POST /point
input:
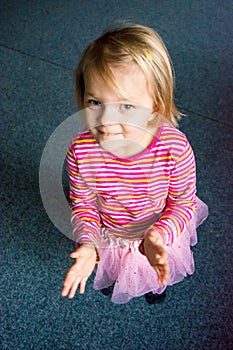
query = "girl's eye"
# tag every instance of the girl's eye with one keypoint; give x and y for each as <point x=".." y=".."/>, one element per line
<point x="126" y="107"/>
<point x="93" y="103"/>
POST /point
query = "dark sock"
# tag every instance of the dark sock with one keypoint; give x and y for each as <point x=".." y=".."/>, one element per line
<point x="152" y="298"/>
<point x="108" y="290"/>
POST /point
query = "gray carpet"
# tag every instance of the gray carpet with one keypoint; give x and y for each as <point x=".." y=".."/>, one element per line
<point x="41" y="42"/>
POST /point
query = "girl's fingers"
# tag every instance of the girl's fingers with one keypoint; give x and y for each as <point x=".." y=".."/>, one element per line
<point x="163" y="273"/>
<point x="83" y="285"/>
<point x="70" y="279"/>
<point x="64" y="291"/>
<point x="72" y="282"/>
<point x="66" y="286"/>
<point x="162" y="267"/>
<point x="73" y="288"/>
<point x="74" y="255"/>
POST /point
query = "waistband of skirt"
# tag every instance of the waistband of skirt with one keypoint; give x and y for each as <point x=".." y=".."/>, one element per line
<point x="111" y="240"/>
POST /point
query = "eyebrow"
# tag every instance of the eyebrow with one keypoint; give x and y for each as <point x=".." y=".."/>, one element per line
<point x="90" y="94"/>
<point x="87" y="93"/>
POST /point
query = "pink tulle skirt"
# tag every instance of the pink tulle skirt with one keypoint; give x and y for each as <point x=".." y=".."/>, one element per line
<point x="122" y="263"/>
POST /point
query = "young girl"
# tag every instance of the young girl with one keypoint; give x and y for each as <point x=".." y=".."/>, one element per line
<point x="132" y="173"/>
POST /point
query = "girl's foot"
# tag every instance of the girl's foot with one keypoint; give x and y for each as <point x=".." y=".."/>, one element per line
<point x="108" y="290"/>
<point x="152" y="298"/>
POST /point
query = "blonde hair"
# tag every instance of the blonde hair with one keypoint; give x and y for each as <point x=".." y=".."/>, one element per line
<point x="138" y="44"/>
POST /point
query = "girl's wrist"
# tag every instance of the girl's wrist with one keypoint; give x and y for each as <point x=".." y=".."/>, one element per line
<point x="155" y="235"/>
<point x="151" y="235"/>
<point x="92" y="246"/>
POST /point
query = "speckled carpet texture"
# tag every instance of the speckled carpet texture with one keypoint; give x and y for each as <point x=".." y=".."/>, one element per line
<point x="41" y="43"/>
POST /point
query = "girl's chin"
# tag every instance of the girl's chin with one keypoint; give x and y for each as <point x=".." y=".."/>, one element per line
<point x="121" y="147"/>
<point x="104" y="137"/>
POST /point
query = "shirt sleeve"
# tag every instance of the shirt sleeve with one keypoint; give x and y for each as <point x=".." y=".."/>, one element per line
<point x="181" y="200"/>
<point x="85" y="216"/>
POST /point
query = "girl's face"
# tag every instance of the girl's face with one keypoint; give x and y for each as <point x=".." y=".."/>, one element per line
<point x="120" y="123"/>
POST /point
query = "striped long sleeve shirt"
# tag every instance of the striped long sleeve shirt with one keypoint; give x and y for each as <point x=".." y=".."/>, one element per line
<point x="155" y="188"/>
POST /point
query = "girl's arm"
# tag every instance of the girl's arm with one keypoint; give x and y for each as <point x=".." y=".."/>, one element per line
<point x="86" y="223"/>
<point x="85" y="216"/>
<point x="181" y="199"/>
<point x="180" y="206"/>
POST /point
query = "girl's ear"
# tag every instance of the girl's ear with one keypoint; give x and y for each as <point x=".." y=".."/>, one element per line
<point x="153" y="113"/>
<point x="155" y="108"/>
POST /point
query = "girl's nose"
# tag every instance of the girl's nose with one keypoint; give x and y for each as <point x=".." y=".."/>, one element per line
<point x="108" y="114"/>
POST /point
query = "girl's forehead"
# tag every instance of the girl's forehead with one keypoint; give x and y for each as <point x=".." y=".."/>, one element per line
<point x="98" y="68"/>
<point x="114" y="74"/>
<point x="121" y="82"/>
<point x="94" y="80"/>
<point x="99" y="86"/>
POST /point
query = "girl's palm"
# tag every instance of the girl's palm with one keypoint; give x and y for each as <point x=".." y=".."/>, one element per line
<point x="80" y="271"/>
<point x="157" y="255"/>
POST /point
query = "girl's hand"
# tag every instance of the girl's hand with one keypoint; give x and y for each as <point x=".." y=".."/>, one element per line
<point x="79" y="272"/>
<point x="156" y="254"/>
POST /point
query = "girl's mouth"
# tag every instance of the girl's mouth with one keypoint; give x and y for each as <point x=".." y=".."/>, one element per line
<point x="109" y="133"/>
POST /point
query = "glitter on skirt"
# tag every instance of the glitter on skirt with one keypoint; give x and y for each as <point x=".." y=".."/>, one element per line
<point x="122" y="263"/>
